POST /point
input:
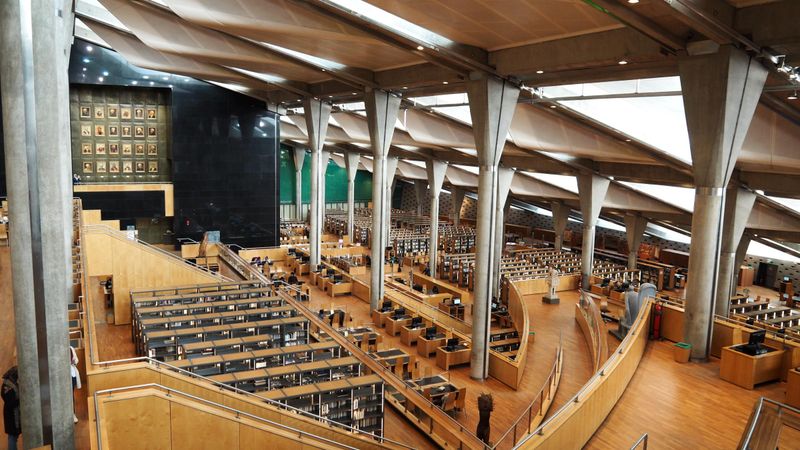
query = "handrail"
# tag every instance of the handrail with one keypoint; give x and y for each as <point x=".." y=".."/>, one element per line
<point x="599" y="374"/>
<point x="207" y="402"/>
<point x="756" y="415"/>
<point x="104" y="229"/>
<point x="551" y="384"/>
<point x="641" y="441"/>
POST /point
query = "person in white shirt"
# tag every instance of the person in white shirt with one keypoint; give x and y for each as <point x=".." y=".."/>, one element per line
<point x="76" y="378"/>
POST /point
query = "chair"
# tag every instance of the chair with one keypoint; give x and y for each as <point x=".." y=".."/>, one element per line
<point x="449" y="402"/>
<point x="461" y="400"/>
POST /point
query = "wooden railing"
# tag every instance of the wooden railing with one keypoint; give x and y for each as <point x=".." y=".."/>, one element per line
<point x="587" y="314"/>
<point x="505" y="369"/>
<point x="767" y="421"/>
<point x="575" y="422"/>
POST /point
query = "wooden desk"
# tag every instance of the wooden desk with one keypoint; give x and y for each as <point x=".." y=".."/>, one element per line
<point x="335" y="289"/>
<point x="427" y="346"/>
<point x="379" y="317"/>
<point x="392" y="357"/>
<point x="393" y="325"/>
<point x="747" y="371"/>
<point x="445" y="359"/>
<point x="409" y="335"/>
<point x="793" y="388"/>
<point x="456" y="311"/>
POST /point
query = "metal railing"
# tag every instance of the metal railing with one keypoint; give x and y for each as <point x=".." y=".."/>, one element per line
<point x="537" y="404"/>
<point x="642" y="441"/>
<point x="238" y="413"/>
<point x="761" y="432"/>
<point x="103" y="229"/>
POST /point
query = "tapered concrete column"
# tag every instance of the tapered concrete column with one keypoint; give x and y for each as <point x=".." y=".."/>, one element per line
<point x="635" y="224"/>
<point x="457" y="197"/>
<point x="34" y="50"/>
<point x="382" y="110"/>
<point x="592" y="191"/>
<point x="299" y="158"/>
<point x="317" y="114"/>
<point x="560" y="218"/>
<point x="720" y="94"/>
<point x="738" y="206"/>
<point x="491" y="103"/>
<point x="391" y="171"/>
<point x="503" y="207"/>
<point x="741" y="254"/>
<point x="351" y="160"/>
<point x="421" y="190"/>
<point x="436" y="171"/>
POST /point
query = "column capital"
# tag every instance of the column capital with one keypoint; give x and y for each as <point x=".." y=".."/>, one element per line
<point x="382" y="108"/>
<point x="492" y="102"/>
<point x="317" y="114"/>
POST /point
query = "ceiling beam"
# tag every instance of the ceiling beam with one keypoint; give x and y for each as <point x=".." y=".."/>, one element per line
<point x="644" y="173"/>
<point x="773" y="184"/>
<point x="628" y="16"/>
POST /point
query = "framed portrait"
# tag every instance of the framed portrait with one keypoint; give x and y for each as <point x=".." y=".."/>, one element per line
<point x="125" y="113"/>
<point x="99" y="130"/>
<point x="139" y="166"/>
<point x="126" y="149"/>
<point x="138" y="113"/>
<point x="102" y="167"/>
<point x="86" y="130"/>
<point x="152" y="149"/>
<point x="113" y="167"/>
<point x="100" y="148"/>
<point x="139" y="149"/>
<point x="126" y="131"/>
<point x="138" y="131"/>
<point x="88" y="167"/>
<point x="151" y="131"/>
<point x="113" y="148"/>
<point x="152" y="166"/>
<point x="99" y="112"/>
<point x="86" y="148"/>
<point x="113" y="130"/>
<point x="127" y="166"/>
<point x="151" y="114"/>
<point x="113" y="112"/>
<point x="86" y="112"/>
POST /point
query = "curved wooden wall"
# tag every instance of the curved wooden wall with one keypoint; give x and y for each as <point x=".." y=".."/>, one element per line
<point x="508" y="370"/>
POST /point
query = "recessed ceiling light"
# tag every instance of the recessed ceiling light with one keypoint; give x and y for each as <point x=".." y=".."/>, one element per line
<point x="165" y="78"/>
<point x="792" y="96"/>
<point x="84" y="69"/>
<point x="170" y="85"/>
<point x="633" y="2"/>
<point x="323" y="70"/>
<point x="354" y="93"/>
<point x="146" y="77"/>
<point x="100" y="79"/>
<point x="405" y="87"/>
<point x="540" y="71"/>
<point x="105" y="73"/>
<point x="89" y="48"/>
<point x="86" y="60"/>
<point x="627" y="140"/>
<point x="134" y="82"/>
<point x="553" y="106"/>
<point x="622" y="62"/>
<point x="420" y="48"/>
<point x="445" y="82"/>
<point x="151" y="83"/>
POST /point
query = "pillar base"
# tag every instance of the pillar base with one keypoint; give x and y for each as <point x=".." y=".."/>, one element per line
<point x="554" y="300"/>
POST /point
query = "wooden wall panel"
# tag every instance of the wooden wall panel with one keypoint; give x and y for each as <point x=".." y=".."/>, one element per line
<point x="122" y="423"/>
<point x="251" y="438"/>
<point x="193" y="429"/>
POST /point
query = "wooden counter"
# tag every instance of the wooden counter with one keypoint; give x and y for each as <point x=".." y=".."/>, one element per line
<point x="746" y="370"/>
<point x="445" y="359"/>
<point x="793" y="388"/>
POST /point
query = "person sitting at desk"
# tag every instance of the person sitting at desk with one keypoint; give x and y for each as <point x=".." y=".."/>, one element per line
<point x="435" y="289"/>
<point x="292" y="278"/>
<point x="418" y="287"/>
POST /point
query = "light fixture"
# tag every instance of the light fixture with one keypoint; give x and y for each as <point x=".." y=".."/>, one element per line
<point x="420" y="48"/>
<point x="759" y="192"/>
<point x="405" y="87"/>
<point x="633" y="2"/>
<point x="134" y="82"/>
<point x="151" y="83"/>
<point x="146" y="77"/>
<point x="100" y="79"/>
<point x="165" y="78"/>
<point x="170" y="85"/>
<point x="105" y="73"/>
<point x="552" y="106"/>
<point x="261" y="123"/>
<point x="627" y="140"/>
<point x="86" y="60"/>
<point x="792" y="96"/>
<point x="540" y="72"/>
<point x="445" y="82"/>
<point x="354" y="93"/>
<point x="622" y="62"/>
<point x="89" y="48"/>
<point x="84" y="69"/>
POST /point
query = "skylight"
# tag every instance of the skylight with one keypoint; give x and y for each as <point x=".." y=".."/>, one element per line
<point x="679" y="197"/>
<point x="764" y="251"/>
<point x="566" y="182"/>
<point x="791" y="203"/>
<point x="315" y="60"/>
<point x="459" y="113"/>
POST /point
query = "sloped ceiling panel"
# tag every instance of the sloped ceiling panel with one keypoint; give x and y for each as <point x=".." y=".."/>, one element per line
<point x="531" y="187"/>
<point x="772" y="144"/>
<point x="458" y="177"/>
<point x="535" y="129"/>
<point x="339" y="160"/>
<point x="168" y="33"/>
<point x="429" y="129"/>
<point x="357" y="129"/>
<point x="619" y="197"/>
<point x="765" y="218"/>
<point x="293" y="26"/>
<point x="291" y="131"/>
<point x="408" y="170"/>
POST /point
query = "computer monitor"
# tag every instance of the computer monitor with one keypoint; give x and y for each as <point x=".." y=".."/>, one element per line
<point x="753" y="346"/>
<point x="430" y="332"/>
<point x="786" y="279"/>
<point x="416" y="321"/>
<point x="452" y="342"/>
<point x="456" y="301"/>
<point x="400" y="312"/>
<point x="757" y="337"/>
<point x="337" y="278"/>
<point x="494" y="305"/>
<point x="387" y="305"/>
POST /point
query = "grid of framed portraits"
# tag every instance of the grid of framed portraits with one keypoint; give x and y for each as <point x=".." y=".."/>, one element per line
<point x="120" y="134"/>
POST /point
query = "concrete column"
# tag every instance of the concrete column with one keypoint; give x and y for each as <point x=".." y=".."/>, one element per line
<point x="738" y="205"/>
<point x="592" y="191"/>
<point x="382" y="109"/>
<point x="560" y="218"/>
<point x="436" y="171"/>
<point x="635" y="224"/>
<point x="421" y="190"/>
<point x="457" y="197"/>
<point x="503" y="207"/>
<point x="325" y="158"/>
<point x="299" y="158"/>
<point x="317" y="114"/>
<point x="741" y="254"/>
<point x="720" y="94"/>
<point x="492" y="103"/>
<point x="351" y="160"/>
<point x="391" y="182"/>
<point x="34" y="50"/>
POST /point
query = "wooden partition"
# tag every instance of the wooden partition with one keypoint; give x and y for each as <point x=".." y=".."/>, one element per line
<point x="273" y="253"/>
<point x="139" y="373"/>
<point x="134" y="266"/>
<point x="508" y="370"/>
<point x="575" y="423"/>
<point x="587" y="314"/>
<point x="155" y="418"/>
<point x="539" y="285"/>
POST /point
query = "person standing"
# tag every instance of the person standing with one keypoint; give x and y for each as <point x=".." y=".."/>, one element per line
<point x="11" y="414"/>
<point x="76" y="378"/>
